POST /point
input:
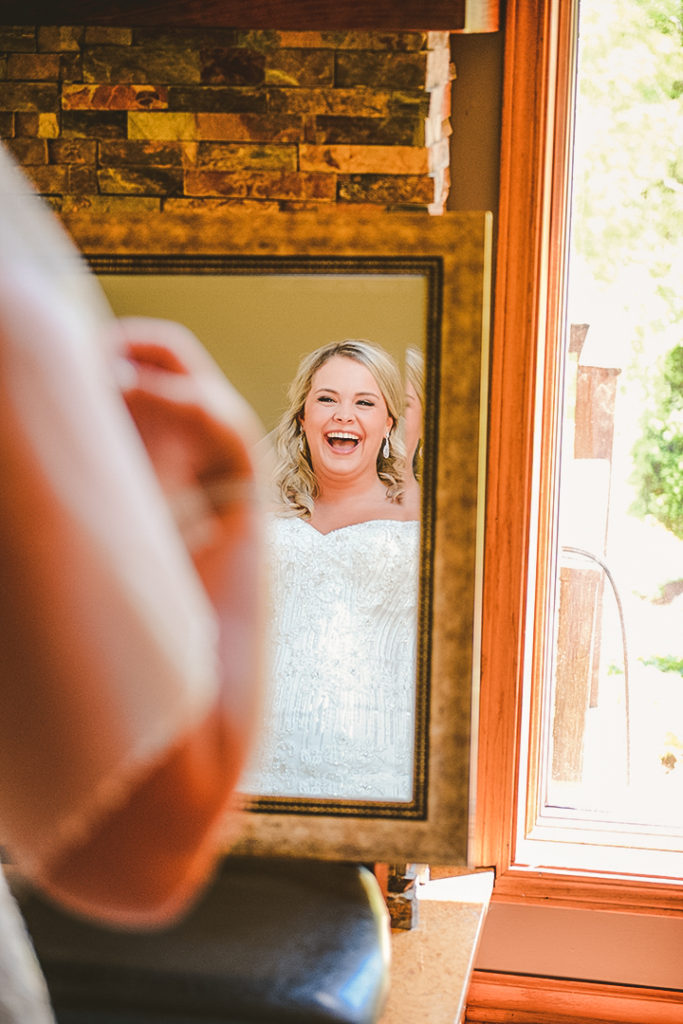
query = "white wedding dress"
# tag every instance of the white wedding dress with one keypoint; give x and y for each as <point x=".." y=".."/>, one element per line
<point x="340" y="709"/>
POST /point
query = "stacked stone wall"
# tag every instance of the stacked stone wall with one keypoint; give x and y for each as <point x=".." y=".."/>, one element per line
<point x="129" y="120"/>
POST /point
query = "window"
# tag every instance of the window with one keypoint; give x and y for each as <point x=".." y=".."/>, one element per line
<point x="549" y="832"/>
<point x="611" y="729"/>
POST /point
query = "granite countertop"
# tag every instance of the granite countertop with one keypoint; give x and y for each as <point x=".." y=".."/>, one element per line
<point x="432" y="963"/>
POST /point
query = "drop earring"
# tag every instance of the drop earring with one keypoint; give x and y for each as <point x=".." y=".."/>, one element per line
<point x="386" y="450"/>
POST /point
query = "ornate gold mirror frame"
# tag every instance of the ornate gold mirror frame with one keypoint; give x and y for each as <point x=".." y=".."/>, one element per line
<point x="452" y="253"/>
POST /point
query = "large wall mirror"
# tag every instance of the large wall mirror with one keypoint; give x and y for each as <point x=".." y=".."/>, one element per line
<point x="261" y="291"/>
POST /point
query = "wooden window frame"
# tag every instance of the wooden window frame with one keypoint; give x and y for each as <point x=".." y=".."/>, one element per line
<point x="521" y="489"/>
<point x="493" y="997"/>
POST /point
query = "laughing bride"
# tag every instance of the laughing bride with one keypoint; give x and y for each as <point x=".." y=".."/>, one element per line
<point x="344" y="559"/>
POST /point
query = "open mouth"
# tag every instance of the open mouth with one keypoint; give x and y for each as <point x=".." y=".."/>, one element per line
<point x="342" y="441"/>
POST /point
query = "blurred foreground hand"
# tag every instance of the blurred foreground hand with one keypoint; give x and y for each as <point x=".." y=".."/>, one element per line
<point x="130" y="553"/>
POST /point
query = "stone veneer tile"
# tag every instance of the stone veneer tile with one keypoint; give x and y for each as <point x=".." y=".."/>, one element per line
<point x="162" y="126"/>
<point x="60" y="37"/>
<point x="44" y="126"/>
<point x="189" y="151"/>
<point x="114" y="97"/>
<point x="442" y="185"/>
<point x="222" y="112"/>
<point x="347" y="102"/>
<point x="94" y="124"/>
<point x="397" y="41"/>
<point x="216" y="99"/>
<point x="18" y="38"/>
<point x="26" y="96"/>
<point x="381" y="131"/>
<point x="81" y="180"/>
<point x="354" y="40"/>
<point x="49" y="126"/>
<point x="436" y="128"/>
<point x="118" y="206"/>
<point x="300" y="67"/>
<point x="49" y="180"/>
<point x="127" y="152"/>
<point x="70" y="67"/>
<point x="175" y="37"/>
<point x="209" y="205"/>
<point x="440" y="103"/>
<point x="231" y="66"/>
<point x="365" y="159"/>
<point x="376" y="70"/>
<point x="439" y="155"/>
<point x="159" y="181"/>
<point x="260" y="40"/>
<point x="250" y="127"/>
<point x="35" y="67"/>
<point x="145" y="65"/>
<point x="108" y="35"/>
<point x="384" y="189"/>
<point x="28" y="151"/>
<point x="72" y="151"/>
<point x="217" y="156"/>
<point x="438" y="40"/>
<point x="261" y="185"/>
<point x="409" y="104"/>
<point x="440" y="71"/>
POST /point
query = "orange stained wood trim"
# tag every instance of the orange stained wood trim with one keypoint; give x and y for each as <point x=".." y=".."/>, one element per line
<point x="497" y="998"/>
<point x="299" y="15"/>
<point x="529" y="307"/>
<point x="590" y="892"/>
<point x="551" y="346"/>
<point x="519" y="320"/>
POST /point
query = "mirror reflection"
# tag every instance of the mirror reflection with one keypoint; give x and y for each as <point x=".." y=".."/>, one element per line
<point x="343" y="549"/>
<point x="343" y="449"/>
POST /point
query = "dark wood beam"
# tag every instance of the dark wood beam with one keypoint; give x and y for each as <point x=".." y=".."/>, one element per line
<point x="298" y="15"/>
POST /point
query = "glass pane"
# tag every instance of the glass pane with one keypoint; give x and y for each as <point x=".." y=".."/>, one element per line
<point x="615" y="728"/>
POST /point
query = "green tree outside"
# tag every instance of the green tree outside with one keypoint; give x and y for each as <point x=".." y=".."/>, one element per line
<point x="658" y="453"/>
<point x="627" y="224"/>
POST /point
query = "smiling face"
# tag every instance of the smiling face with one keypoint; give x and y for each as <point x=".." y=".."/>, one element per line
<point x="345" y="419"/>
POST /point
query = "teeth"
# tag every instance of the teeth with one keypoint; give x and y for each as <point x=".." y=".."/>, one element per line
<point x="341" y="436"/>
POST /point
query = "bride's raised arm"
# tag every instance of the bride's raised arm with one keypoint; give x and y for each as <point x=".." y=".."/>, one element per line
<point x="130" y="549"/>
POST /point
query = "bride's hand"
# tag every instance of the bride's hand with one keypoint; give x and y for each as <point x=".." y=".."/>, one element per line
<point x="198" y="433"/>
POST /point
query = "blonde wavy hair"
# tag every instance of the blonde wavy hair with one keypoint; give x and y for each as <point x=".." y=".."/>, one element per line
<point x="296" y="484"/>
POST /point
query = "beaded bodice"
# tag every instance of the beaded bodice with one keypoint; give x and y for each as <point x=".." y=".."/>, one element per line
<point x="340" y="707"/>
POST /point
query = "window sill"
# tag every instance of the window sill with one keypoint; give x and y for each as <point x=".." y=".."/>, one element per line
<point x="492" y="994"/>
<point x="589" y="890"/>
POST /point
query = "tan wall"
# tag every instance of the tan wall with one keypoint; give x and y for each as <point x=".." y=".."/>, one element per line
<point x="258" y="327"/>
<point x="475" y="118"/>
